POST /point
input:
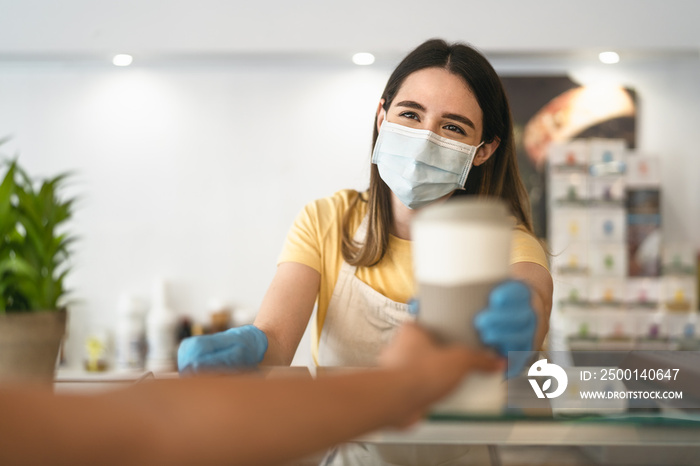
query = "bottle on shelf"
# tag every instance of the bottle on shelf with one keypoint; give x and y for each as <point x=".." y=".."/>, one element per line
<point x="130" y="333"/>
<point x="161" y="330"/>
<point x="690" y="341"/>
<point x="97" y="351"/>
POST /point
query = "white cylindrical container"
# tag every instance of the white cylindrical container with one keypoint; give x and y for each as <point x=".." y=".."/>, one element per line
<point x="161" y="325"/>
<point x="130" y="334"/>
<point x="461" y="250"/>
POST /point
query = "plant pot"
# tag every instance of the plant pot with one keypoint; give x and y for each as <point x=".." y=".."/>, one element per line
<point x="29" y="345"/>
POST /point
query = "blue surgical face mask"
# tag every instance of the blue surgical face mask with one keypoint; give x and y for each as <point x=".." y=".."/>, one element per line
<point x="420" y="166"/>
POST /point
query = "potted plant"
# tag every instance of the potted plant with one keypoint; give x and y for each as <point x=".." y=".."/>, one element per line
<point x="34" y="252"/>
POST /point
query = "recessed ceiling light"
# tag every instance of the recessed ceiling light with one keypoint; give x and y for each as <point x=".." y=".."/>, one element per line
<point x="363" y="58"/>
<point x="609" y="58"/>
<point x="122" y="59"/>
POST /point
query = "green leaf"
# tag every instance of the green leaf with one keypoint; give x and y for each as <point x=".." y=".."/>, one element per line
<point x="33" y="254"/>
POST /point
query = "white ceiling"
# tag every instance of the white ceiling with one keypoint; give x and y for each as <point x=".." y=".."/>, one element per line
<point x="148" y="29"/>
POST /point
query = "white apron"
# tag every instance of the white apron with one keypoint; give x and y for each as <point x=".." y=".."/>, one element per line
<point x="359" y="322"/>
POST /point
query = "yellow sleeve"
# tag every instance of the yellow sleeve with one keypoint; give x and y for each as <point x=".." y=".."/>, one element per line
<point x="302" y="244"/>
<point x="527" y="248"/>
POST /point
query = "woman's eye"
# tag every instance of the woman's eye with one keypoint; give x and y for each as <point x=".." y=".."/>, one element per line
<point x="455" y="128"/>
<point x="410" y="115"/>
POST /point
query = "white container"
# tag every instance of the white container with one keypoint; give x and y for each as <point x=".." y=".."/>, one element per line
<point x="161" y="325"/>
<point x="130" y="334"/>
<point x="461" y="250"/>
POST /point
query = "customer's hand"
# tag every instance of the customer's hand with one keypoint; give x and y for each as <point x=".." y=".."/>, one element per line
<point x="435" y="369"/>
<point x="240" y="347"/>
<point x="509" y="322"/>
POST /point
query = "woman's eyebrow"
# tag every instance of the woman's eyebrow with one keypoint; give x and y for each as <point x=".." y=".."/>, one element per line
<point x="410" y="104"/>
<point x="460" y="118"/>
<point x="451" y="116"/>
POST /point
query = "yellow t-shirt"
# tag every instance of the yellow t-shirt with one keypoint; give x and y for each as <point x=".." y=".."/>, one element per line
<point x="315" y="240"/>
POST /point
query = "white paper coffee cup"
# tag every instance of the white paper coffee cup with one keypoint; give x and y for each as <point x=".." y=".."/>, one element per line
<point x="461" y="250"/>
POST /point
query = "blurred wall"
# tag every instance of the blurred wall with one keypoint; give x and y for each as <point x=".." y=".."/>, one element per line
<point x="193" y="174"/>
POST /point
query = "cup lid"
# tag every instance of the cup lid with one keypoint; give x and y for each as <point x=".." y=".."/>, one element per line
<point x="467" y="209"/>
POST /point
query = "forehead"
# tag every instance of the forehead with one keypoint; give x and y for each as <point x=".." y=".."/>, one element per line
<point x="440" y="91"/>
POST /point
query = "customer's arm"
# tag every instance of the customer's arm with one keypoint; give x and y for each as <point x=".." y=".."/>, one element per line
<point x="244" y="420"/>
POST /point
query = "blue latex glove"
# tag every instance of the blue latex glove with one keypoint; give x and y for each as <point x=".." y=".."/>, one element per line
<point x="240" y="347"/>
<point x="508" y="323"/>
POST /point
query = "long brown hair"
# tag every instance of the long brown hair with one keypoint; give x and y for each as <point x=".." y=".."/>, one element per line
<point x="497" y="177"/>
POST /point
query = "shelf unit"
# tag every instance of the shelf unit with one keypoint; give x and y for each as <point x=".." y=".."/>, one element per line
<point x="617" y="286"/>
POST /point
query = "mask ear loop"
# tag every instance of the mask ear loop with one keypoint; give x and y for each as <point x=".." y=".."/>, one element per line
<point x="476" y="150"/>
<point x="468" y="167"/>
<point x="385" y="107"/>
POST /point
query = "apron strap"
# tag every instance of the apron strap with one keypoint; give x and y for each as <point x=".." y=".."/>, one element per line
<point x="358" y="237"/>
<point x="361" y="230"/>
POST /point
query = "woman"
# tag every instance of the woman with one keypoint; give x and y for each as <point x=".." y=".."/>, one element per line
<point x="361" y="241"/>
<point x="350" y="253"/>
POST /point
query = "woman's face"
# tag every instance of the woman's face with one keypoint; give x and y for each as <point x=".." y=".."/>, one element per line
<point x="439" y="101"/>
